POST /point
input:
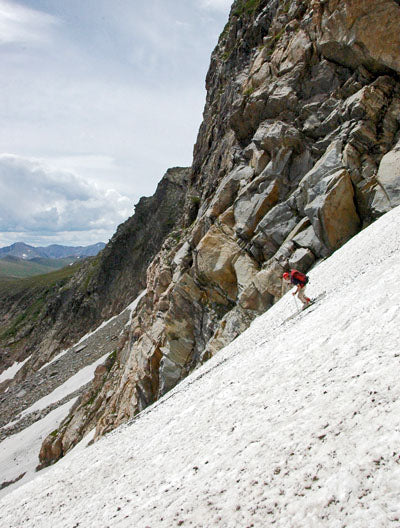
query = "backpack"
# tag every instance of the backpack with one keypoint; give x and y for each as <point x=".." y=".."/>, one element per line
<point x="298" y="277"/>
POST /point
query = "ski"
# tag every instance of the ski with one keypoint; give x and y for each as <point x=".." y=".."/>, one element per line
<point x="305" y="308"/>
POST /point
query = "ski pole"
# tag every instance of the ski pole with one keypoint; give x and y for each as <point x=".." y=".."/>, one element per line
<point x="295" y="302"/>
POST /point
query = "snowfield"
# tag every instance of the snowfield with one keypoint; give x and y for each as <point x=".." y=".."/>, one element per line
<point x="295" y="424"/>
<point x="19" y="453"/>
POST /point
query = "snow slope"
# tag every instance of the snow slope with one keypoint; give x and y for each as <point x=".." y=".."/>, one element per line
<point x="295" y="424"/>
<point x="19" y="453"/>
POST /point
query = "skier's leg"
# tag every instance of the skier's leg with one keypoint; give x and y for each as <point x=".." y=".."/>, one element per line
<point x="302" y="296"/>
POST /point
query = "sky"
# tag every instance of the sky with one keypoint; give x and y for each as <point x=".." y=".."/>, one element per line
<point x="98" y="99"/>
<point x="296" y="423"/>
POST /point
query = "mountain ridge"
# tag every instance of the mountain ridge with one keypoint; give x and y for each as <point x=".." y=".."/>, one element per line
<point x="28" y="252"/>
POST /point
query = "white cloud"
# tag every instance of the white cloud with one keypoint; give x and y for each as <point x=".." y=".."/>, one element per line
<point x="110" y="91"/>
<point x="20" y="24"/>
<point x="218" y="5"/>
<point x="37" y="200"/>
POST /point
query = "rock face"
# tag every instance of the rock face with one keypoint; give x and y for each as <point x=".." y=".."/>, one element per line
<point x="297" y="152"/>
<point x="346" y="35"/>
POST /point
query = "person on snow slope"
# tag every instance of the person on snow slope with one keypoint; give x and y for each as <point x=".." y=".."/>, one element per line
<point x="299" y="280"/>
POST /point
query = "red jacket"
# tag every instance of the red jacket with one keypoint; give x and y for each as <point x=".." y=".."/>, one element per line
<point x="297" y="278"/>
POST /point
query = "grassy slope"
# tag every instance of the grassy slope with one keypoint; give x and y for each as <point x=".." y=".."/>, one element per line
<point x="19" y="268"/>
<point x="33" y="292"/>
<point x="10" y="285"/>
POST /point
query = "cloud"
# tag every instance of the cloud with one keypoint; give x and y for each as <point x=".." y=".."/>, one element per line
<point x="20" y="24"/>
<point x="218" y="5"/>
<point x="37" y="200"/>
<point x="110" y="91"/>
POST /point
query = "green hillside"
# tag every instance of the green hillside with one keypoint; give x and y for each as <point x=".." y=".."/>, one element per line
<point x="13" y="267"/>
<point x="31" y="295"/>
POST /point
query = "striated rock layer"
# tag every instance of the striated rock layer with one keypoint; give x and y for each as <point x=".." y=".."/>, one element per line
<point x="297" y="152"/>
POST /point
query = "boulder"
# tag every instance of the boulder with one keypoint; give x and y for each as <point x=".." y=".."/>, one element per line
<point x="332" y="212"/>
<point x="297" y="51"/>
<point x="271" y="135"/>
<point x="298" y="228"/>
<point x="275" y="227"/>
<point x="162" y="281"/>
<point x="232" y="325"/>
<point x="369" y="101"/>
<point x="299" y="166"/>
<point x="200" y="228"/>
<point x="182" y="257"/>
<point x="258" y="158"/>
<point x="170" y="373"/>
<point x="387" y="193"/>
<point x="302" y="259"/>
<point x="328" y="164"/>
<point x="269" y="280"/>
<point x="282" y="98"/>
<point x="309" y="240"/>
<point x="215" y="255"/>
<point x="227" y="190"/>
<point x="179" y="322"/>
<point x="51" y="450"/>
<point x="252" y="299"/>
<point x="360" y="32"/>
<point x="279" y="164"/>
<point x="250" y="207"/>
<point x="245" y="269"/>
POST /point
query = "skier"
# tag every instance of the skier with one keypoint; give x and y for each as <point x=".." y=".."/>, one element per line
<point x="300" y="280"/>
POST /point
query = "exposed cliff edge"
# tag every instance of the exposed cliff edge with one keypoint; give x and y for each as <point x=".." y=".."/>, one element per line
<point x="298" y="151"/>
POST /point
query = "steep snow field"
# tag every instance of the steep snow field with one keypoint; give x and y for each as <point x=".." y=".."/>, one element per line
<point x="295" y="424"/>
<point x="19" y="453"/>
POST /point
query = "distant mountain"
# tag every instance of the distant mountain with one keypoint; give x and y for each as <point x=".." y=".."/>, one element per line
<point x="20" y="250"/>
<point x="55" y="251"/>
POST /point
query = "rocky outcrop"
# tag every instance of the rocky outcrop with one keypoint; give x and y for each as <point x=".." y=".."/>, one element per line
<point x="387" y="194"/>
<point x="346" y="36"/>
<point x="296" y="153"/>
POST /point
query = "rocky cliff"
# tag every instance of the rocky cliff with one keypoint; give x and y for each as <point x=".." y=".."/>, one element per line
<point x="298" y="150"/>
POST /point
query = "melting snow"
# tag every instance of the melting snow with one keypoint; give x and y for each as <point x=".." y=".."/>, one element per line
<point x="68" y="387"/>
<point x="130" y="307"/>
<point x="133" y="306"/>
<point x="11" y="371"/>
<point x="58" y="356"/>
<point x="19" y="453"/>
<point x="295" y="424"/>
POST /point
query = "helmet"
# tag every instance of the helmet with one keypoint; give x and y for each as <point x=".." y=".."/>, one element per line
<point x="286" y="275"/>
